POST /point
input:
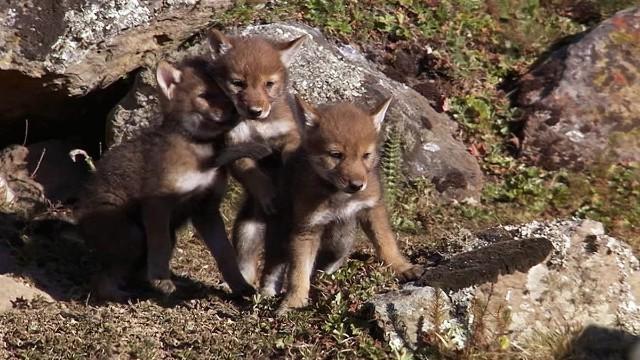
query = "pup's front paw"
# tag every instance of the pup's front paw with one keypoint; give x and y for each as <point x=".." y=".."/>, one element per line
<point x="246" y="290"/>
<point x="268" y="291"/>
<point x="164" y="286"/>
<point x="292" y="302"/>
<point x="410" y="272"/>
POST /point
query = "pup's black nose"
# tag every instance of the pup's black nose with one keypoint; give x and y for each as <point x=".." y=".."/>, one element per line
<point x="255" y="111"/>
<point x="355" y="186"/>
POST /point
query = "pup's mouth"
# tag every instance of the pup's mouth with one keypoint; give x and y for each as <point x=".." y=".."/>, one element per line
<point x="254" y="114"/>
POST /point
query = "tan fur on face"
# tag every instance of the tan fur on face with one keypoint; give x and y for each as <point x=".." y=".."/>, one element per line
<point x="253" y="75"/>
<point x="251" y="71"/>
<point x="193" y="98"/>
<point x="346" y="130"/>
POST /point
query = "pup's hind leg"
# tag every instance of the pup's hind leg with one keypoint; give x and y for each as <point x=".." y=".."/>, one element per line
<point x="337" y="243"/>
<point x="156" y="216"/>
<point x="248" y="238"/>
<point x="276" y="255"/>
<point x="107" y="283"/>
<point x="119" y="244"/>
<point x="208" y="222"/>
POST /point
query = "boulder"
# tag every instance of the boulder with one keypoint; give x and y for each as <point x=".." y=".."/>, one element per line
<point x="323" y="73"/>
<point x="582" y="103"/>
<point x="587" y="286"/>
<point x="53" y="53"/>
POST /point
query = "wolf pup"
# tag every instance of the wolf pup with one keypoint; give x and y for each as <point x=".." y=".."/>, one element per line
<point x="145" y="188"/>
<point x="332" y="183"/>
<point x="252" y="71"/>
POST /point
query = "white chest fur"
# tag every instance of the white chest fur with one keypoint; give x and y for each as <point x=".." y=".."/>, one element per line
<point x="273" y="128"/>
<point x="240" y="133"/>
<point x="344" y="211"/>
<point x="244" y="131"/>
<point x="195" y="180"/>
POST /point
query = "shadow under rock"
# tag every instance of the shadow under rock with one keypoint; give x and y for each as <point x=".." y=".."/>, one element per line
<point x="48" y="252"/>
<point x="52" y="254"/>
<point x="601" y="343"/>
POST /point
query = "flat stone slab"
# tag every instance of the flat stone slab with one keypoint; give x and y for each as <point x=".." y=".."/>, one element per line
<point x="486" y="264"/>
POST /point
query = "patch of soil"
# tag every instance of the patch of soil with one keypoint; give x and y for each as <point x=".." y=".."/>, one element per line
<point x="581" y="11"/>
<point x="414" y="64"/>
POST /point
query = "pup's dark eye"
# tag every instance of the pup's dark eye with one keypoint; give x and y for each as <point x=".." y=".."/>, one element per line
<point x="336" y="155"/>
<point x="366" y="156"/>
<point x="238" y="83"/>
<point x="270" y="84"/>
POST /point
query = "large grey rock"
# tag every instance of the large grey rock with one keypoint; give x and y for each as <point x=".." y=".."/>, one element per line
<point x="52" y="52"/>
<point x="323" y="73"/>
<point x="583" y="102"/>
<point x="589" y="279"/>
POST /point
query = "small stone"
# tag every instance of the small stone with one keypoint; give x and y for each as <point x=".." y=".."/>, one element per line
<point x="590" y="227"/>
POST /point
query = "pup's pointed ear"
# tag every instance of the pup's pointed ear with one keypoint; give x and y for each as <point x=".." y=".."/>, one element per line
<point x="219" y="43"/>
<point x="377" y="114"/>
<point x="168" y="77"/>
<point x="309" y="113"/>
<point x="289" y="49"/>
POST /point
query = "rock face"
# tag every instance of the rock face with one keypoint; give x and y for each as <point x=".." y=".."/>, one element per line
<point x="322" y="73"/>
<point x="583" y="102"/>
<point x="56" y="51"/>
<point x="589" y="278"/>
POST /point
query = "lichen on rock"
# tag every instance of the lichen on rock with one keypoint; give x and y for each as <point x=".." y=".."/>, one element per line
<point x="588" y="279"/>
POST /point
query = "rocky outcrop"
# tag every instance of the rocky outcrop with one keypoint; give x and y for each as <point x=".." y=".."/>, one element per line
<point x="587" y="279"/>
<point x="54" y="52"/>
<point x="322" y="73"/>
<point x="582" y="103"/>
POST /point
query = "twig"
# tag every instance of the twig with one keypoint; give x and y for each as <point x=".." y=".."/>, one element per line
<point x="26" y="131"/>
<point x="39" y="162"/>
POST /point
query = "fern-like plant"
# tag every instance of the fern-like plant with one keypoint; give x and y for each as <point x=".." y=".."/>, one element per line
<point x="391" y="166"/>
